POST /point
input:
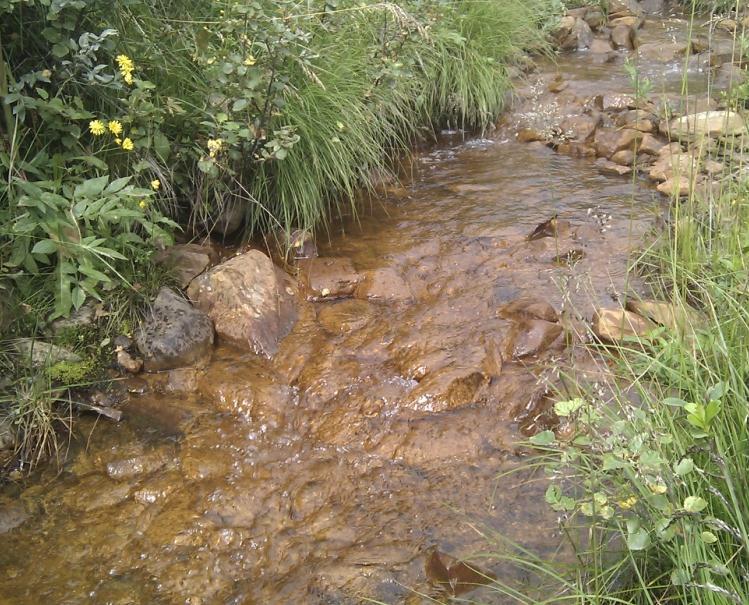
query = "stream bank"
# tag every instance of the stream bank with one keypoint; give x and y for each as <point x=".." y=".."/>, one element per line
<point x="421" y="350"/>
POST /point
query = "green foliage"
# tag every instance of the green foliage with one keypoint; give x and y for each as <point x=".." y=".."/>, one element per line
<point x="282" y="108"/>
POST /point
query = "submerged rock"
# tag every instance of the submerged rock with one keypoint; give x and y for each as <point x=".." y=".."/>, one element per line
<point x="531" y="337"/>
<point x="327" y="278"/>
<point x="384" y="285"/>
<point x="248" y="301"/>
<point x="174" y="334"/>
<point x="614" y="325"/>
<point x="529" y="308"/>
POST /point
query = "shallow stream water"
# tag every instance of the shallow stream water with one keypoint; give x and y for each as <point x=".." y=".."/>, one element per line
<point x="379" y="430"/>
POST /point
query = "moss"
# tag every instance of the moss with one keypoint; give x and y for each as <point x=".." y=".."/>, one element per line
<point x="72" y="372"/>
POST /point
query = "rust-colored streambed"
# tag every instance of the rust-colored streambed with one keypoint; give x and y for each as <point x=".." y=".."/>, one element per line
<point x="378" y="431"/>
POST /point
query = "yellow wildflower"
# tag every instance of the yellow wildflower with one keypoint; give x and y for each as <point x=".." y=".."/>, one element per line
<point x="250" y="61"/>
<point x="96" y="127"/>
<point x="628" y="503"/>
<point x="155" y="184"/>
<point x="115" y="127"/>
<point x="127" y="144"/>
<point x="127" y="67"/>
<point x="118" y="141"/>
<point x="214" y="146"/>
<point x="143" y="204"/>
<point x="657" y="488"/>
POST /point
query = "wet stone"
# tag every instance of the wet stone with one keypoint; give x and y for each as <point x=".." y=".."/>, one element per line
<point x="328" y="278"/>
<point x="249" y="300"/>
<point x="532" y="337"/>
<point x="345" y="316"/>
<point x="384" y="285"/>
<point x="529" y="308"/>
<point x="174" y="334"/>
<point x="12" y="514"/>
<point x="137" y="466"/>
<point x="612" y="168"/>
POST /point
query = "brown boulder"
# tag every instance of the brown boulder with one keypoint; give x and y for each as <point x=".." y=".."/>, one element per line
<point x="675" y="186"/>
<point x="625" y="157"/>
<point x="600" y="46"/>
<point x="612" y="168"/>
<point x="663" y="52"/>
<point x="624" y="8"/>
<point x="623" y="37"/>
<point x="614" y="325"/>
<point x="608" y="140"/>
<point x="578" y="37"/>
<point x="249" y="301"/>
<point x="675" y="318"/>
<point x="582" y="127"/>
<point x="649" y="145"/>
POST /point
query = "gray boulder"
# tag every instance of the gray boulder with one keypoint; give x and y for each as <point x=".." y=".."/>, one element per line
<point x="174" y="334"/>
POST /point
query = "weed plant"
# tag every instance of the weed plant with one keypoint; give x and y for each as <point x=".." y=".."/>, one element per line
<point x="650" y="481"/>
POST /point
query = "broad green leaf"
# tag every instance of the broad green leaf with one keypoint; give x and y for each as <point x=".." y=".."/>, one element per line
<point x="694" y="504"/>
<point x="684" y="467"/>
<point x="638" y="540"/>
<point x="44" y="246"/>
<point x="553" y="493"/>
<point x="78" y="297"/>
<point x="708" y="537"/>
<point x="91" y="187"/>
<point x="569" y="407"/>
<point x="117" y="184"/>
<point x="680" y="577"/>
<point x="544" y="438"/>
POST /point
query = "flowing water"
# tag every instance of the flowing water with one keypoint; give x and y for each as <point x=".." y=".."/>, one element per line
<point x="379" y="430"/>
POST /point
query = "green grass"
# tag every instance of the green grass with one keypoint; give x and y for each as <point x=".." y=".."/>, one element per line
<point x="652" y="485"/>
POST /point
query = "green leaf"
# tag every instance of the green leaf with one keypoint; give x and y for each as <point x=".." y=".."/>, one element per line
<point x="117" y="184"/>
<point x="716" y="392"/>
<point x="638" y="540"/>
<point x="78" y="297"/>
<point x="708" y="537"/>
<point x="680" y="577"/>
<point x="684" y="467"/>
<point x="44" y="246"/>
<point x="553" y="494"/>
<point x="567" y="408"/>
<point x="544" y="438"/>
<point x="239" y="105"/>
<point x="694" y="504"/>
<point x="674" y="402"/>
<point x="91" y="187"/>
<point x="611" y="462"/>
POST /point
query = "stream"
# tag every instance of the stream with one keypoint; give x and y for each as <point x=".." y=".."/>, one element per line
<point x="382" y="429"/>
